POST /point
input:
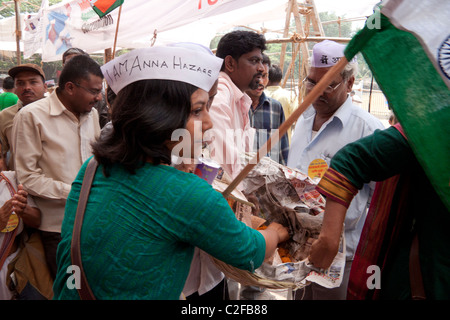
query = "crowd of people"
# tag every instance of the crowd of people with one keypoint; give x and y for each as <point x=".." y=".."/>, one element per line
<point x="149" y="227"/>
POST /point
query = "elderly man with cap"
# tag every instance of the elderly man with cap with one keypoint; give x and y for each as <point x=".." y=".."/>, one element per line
<point x="51" y="138"/>
<point x="29" y="81"/>
<point x="325" y="127"/>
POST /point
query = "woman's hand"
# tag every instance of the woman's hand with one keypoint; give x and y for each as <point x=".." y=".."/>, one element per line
<point x="282" y="232"/>
<point x="323" y="251"/>
<point x="325" y="248"/>
<point x="274" y="234"/>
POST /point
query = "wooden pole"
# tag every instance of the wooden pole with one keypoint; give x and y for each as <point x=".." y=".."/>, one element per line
<point x="309" y="99"/>
<point x="108" y="55"/>
<point x="286" y="32"/>
<point x="316" y="39"/>
<point x="117" y="32"/>
<point x="18" y="31"/>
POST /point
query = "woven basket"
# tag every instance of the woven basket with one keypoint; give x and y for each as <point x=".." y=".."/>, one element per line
<point x="247" y="278"/>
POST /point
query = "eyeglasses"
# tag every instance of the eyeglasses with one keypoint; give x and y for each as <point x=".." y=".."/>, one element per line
<point x="310" y="85"/>
<point x="91" y="91"/>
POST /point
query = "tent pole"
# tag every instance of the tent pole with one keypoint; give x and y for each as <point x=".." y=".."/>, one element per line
<point x="18" y="31"/>
<point x="117" y="32"/>
<point x="286" y="32"/>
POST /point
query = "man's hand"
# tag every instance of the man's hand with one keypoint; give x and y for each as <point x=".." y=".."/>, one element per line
<point x="19" y="200"/>
<point x="5" y="212"/>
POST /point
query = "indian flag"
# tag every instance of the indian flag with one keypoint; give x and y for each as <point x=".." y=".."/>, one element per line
<point x="407" y="46"/>
<point x="103" y="7"/>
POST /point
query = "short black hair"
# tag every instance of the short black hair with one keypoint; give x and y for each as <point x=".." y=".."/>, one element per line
<point x="266" y="60"/>
<point x="8" y="83"/>
<point x="144" y="115"/>
<point x="237" y="43"/>
<point x="77" y="68"/>
<point x="275" y="74"/>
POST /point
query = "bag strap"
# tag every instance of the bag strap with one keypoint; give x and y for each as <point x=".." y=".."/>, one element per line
<point x="9" y="237"/>
<point x="415" y="274"/>
<point x="84" y="291"/>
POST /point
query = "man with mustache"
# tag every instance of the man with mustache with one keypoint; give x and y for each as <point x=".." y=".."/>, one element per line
<point x="241" y="71"/>
<point x="325" y="127"/>
<point x="266" y="114"/>
<point x="29" y="81"/>
<point x="51" y="139"/>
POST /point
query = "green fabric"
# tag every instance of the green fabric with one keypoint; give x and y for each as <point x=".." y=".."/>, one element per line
<point x="363" y="160"/>
<point x="377" y="157"/>
<point x="139" y="233"/>
<point x="8" y="99"/>
<point x="415" y="91"/>
<point x="113" y="6"/>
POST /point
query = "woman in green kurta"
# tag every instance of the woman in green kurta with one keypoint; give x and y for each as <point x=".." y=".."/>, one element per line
<point x="404" y="205"/>
<point x="144" y="218"/>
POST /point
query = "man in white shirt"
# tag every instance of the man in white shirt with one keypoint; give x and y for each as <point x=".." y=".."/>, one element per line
<point x="51" y="138"/>
<point x="325" y="127"/>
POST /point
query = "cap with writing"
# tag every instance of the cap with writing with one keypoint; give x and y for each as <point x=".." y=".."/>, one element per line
<point x="326" y="54"/>
<point x="186" y="64"/>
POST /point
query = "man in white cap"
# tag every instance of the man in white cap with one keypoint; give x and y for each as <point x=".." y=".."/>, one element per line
<point x="331" y="122"/>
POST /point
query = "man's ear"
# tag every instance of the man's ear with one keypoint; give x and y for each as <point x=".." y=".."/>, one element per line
<point x="69" y="87"/>
<point x="230" y="63"/>
<point x="350" y="83"/>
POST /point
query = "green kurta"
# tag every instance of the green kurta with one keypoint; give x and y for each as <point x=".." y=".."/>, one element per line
<point x="139" y="233"/>
<point x="376" y="158"/>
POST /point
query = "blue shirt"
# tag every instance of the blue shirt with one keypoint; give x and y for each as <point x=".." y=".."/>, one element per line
<point x="269" y="115"/>
<point x="349" y="123"/>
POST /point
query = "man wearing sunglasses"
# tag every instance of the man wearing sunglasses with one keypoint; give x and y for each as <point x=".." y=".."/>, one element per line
<point x="51" y="138"/>
<point x="325" y="127"/>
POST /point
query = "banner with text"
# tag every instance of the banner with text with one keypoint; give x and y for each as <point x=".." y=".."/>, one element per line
<point x="75" y="24"/>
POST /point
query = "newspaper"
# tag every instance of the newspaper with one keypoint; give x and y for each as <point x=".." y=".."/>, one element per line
<point x="286" y="196"/>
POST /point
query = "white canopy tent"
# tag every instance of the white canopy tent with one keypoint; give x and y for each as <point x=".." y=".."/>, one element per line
<point x="74" y="23"/>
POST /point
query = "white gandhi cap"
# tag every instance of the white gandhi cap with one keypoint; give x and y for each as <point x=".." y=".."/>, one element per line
<point x="327" y="53"/>
<point x="190" y="64"/>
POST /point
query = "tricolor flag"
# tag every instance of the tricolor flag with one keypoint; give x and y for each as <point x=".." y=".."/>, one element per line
<point x="103" y="7"/>
<point x="407" y="46"/>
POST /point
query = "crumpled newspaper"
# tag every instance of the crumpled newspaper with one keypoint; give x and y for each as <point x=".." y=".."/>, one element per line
<point x="288" y="196"/>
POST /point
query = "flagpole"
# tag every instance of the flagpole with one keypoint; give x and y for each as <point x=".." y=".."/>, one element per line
<point x="117" y="32"/>
<point x="309" y="99"/>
